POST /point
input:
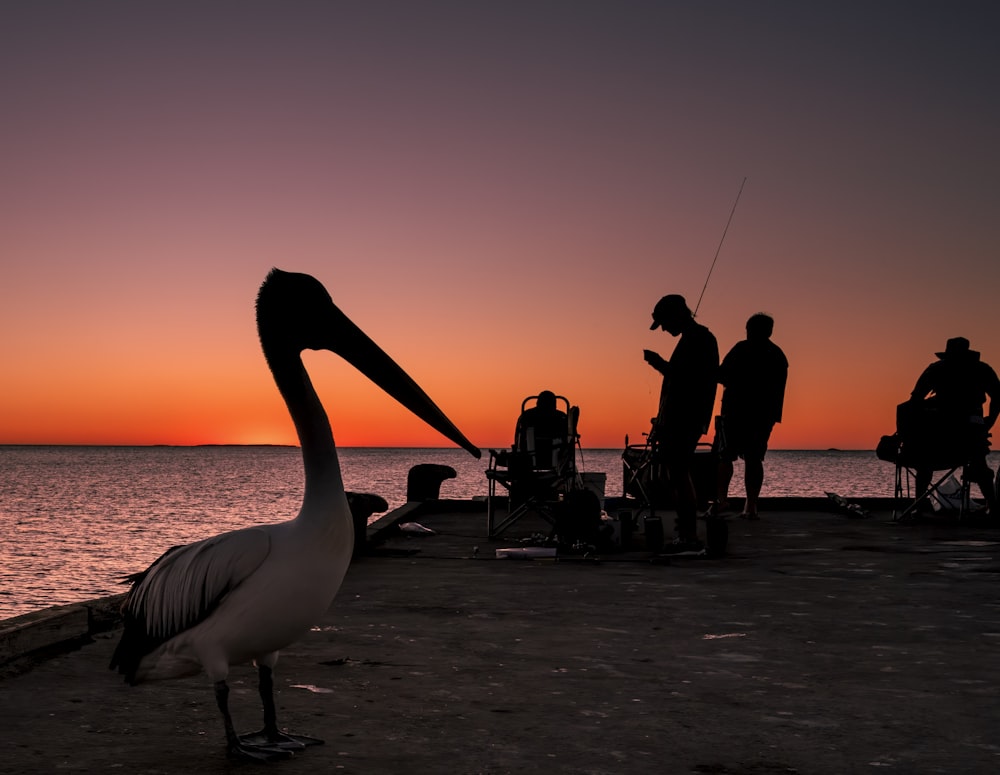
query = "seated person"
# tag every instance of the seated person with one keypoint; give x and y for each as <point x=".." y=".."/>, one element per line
<point x="955" y="387"/>
<point x="542" y="432"/>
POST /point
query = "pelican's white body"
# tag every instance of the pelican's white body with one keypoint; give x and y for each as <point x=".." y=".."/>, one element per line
<point x="283" y="579"/>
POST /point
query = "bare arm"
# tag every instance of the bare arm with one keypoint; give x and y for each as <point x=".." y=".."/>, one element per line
<point x="994" y="412"/>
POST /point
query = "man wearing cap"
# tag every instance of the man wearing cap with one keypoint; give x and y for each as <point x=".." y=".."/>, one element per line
<point x="957" y="385"/>
<point x="687" y="398"/>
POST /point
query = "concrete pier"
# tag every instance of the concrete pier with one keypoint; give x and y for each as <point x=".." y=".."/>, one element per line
<point x="820" y="644"/>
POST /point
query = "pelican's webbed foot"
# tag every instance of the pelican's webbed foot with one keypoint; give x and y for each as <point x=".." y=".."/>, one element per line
<point x="275" y="739"/>
<point x="270" y="736"/>
<point x="246" y="751"/>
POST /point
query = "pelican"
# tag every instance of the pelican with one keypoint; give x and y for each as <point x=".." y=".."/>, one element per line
<point x="244" y="595"/>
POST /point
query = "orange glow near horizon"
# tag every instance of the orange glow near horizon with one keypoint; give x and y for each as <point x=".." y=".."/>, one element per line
<point x="251" y="412"/>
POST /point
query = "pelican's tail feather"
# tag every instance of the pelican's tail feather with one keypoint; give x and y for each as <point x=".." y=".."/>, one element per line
<point x="182" y="588"/>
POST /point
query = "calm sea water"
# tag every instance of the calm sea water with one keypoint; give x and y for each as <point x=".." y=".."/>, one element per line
<point x="74" y="519"/>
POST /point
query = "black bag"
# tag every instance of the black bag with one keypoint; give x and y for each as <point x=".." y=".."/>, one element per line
<point x="888" y="448"/>
<point x="578" y="517"/>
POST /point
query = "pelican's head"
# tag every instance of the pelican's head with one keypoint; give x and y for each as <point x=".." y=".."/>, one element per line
<point x="295" y="313"/>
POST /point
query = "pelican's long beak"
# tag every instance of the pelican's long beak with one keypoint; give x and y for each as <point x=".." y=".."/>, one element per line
<point x="357" y="348"/>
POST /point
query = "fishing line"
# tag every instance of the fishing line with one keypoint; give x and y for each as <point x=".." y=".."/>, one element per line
<point x="712" y="267"/>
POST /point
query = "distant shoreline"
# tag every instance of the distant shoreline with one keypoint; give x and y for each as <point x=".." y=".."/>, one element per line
<point x="360" y="446"/>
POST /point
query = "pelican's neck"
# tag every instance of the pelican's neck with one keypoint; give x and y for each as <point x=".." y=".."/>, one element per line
<point x="323" y="481"/>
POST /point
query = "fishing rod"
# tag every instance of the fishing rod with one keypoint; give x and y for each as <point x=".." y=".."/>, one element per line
<point x="712" y="267"/>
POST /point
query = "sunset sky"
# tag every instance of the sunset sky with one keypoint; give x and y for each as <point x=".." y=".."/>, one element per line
<point x="497" y="193"/>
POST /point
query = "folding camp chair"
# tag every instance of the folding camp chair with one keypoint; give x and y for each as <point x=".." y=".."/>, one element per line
<point x="644" y="477"/>
<point x="927" y="439"/>
<point x="639" y="476"/>
<point x="540" y="467"/>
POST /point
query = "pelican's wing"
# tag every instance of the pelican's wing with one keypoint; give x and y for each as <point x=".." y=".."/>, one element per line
<point x="182" y="587"/>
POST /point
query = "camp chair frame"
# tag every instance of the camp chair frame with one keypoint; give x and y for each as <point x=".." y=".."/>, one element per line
<point x="924" y="440"/>
<point x="903" y="491"/>
<point x="644" y="479"/>
<point x="531" y="484"/>
<point x="638" y="476"/>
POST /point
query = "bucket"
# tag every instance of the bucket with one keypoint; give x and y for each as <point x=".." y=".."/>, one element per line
<point x="595" y="482"/>
<point x="626" y="527"/>
<point x="653" y="528"/>
<point x="716" y="536"/>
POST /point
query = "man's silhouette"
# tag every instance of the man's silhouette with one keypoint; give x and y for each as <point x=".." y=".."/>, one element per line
<point x="955" y="387"/>
<point x="753" y="374"/>
<point x="542" y="430"/>
<point x="687" y="398"/>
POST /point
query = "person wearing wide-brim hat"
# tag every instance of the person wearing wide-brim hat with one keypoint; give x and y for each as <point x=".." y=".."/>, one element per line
<point x="958" y="348"/>
<point x="956" y="386"/>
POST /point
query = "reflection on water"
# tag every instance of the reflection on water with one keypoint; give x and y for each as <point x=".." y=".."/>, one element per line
<point x="75" y="519"/>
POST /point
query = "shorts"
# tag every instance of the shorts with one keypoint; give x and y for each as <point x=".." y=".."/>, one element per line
<point x="741" y="437"/>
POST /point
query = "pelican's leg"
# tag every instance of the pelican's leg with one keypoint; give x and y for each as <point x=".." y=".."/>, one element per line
<point x="234" y="748"/>
<point x="270" y="735"/>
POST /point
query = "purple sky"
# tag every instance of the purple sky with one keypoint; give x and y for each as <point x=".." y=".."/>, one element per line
<point x="498" y="193"/>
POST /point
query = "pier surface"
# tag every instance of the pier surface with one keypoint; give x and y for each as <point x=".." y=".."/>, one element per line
<point x="821" y="644"/>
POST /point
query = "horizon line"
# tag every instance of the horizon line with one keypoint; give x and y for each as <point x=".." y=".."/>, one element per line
<point x="369" y="446"/>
